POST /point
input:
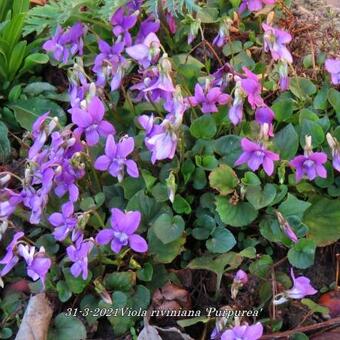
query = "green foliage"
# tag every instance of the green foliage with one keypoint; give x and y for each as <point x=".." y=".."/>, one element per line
<point x="67" y="327"/>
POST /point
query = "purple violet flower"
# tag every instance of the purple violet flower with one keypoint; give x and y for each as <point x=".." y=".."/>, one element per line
<point x="40" y="132"/>
<point x="235" y="112"/>
<point x="164" y="81"/>
<point x="265" y="115"/>
<point x="122" y="232"/>
<point x="8" y="202"/>
<point x="11" y="259"/>
<point x="241" y="277"/>
<point x="275" y="40"/>
<point x="208" y="98"/>
<point x="147" y="52"/>
<point x="161" y="139"/>
<point x="66" y="44"/>
<point x="283" y="73"/>
<point x="114" y="161"/>
<point x="149" y="25"/>
<point x="37" y="263"/>
<point x="252" y="88"/>
<point x="256" y="155"/>
<point x="109" y="64"/>
<point x="223" y="33"/>
<point x="193" y="31"/>
<point x="254" y="5"/>
<point x="333" y="67"/>
<point x="244" y="332"/>
<point x="63" y="222"/>
<point x="91" y="121"/>
<point x="301" y="287"/>
<point x="122" y="24"/>
<point x="310" y="164"/>
<point x="78" y="254"/>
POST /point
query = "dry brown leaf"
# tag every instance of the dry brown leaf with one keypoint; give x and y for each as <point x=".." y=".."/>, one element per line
<point x="171" y="295"/>
<point x="37" y="317"/>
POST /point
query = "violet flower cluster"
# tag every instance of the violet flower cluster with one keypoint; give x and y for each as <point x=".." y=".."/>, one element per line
<point x="66" y="44"/>
<point x="275" y="41"/>
<point x="37" y="263"/>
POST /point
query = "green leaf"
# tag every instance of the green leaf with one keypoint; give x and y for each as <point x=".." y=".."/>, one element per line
<point x="261" y="266"/>
<point x="261" y="198"/>
<point x="204" y="225"/>
<point x="249" y="252"/>
<point x="270" y="229"/>
<point x="302" y="87"/>
<point x="181" y="205"/>
<point x="207" y="162"/>
<point x="323" y="221"/>
<point x="200" y="180"/>
<point x="208" y="15"/>
<point x="140" y="299"/>
<point x="33" y="60"/>
<point x="35" y="88"/>
<point x="293" y="206"/>
<point x="221" y="241"/>
<point x="187" y="169"/>
<point x="302" y="254"/>
<point x="314" y="307"/>
<point x="16" y="59"/>
<point x="64" y="292"/>
<point x="229" y="147"/>
<point x="287" y="142"/>
<point x="283" y="109"/>
<point x="27" y="111"/>
<point x="148" y="179"/>
<point x="5" y="145"/>
<point x="90" y="302"/>
<point x="163" y="253"/>
<point x="49" y="243"/>
<point x="217" y="264"/>
<point x="223" y="179"/>
<point x="167" y="228"/>
<point x="232" y="48"/>
<point x="122" y="281"/>
<point x="67" y="327"/>
<point x="76" y="284"/>
<point x="146" y="273"/>
<point x="334" y="99"/>
<point x="320" y="100"/>
<point x="250" y="179"/>
<point x="131" y="186"/>
<point x="238" y="215"/>
<point x="51" y="14"/>
<point x="310" y="128"/>
<point x="148" y="207"/>
<point x="87" y="203"/>
<point x="242" y="59"/>
<point x="5" y="333"/>
<point x="203" y="127"/>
